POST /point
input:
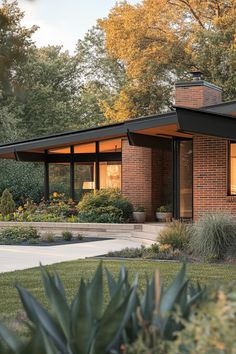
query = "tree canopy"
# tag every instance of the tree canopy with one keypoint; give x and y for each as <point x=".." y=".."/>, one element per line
<point x="160" y="41"/>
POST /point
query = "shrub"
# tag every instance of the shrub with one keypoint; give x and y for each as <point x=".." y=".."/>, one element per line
<point x="128" y="252"/>
<point x="80" y="237"/>
<point x="24" y="180"/>
<point x="7" y="204"/>
<point x="213" y="235"/>
<point x="176" y="235"/>
<point x="164" y="209"/>
<point x="18" y="234"/>
<point x="67" y="235"/>
<point x="212" y="327"/>
<point x="47" y="237"/>
<point x="139" y="208"/>
<point x="91" y="324"/>
<point x="104" y="206"/>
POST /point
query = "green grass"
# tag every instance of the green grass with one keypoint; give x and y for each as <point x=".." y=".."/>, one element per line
<point x="71" y="273"/>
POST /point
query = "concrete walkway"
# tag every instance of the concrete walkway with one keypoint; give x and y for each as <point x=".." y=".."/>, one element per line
<point x="23" y="257"/>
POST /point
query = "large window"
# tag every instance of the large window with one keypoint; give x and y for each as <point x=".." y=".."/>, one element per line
<point x="232" y="169"/>
<point x="59" y="178"/>
<point x="110" y="175"/>
<point x="84" y="178"/>
<point x="83" y="168"/>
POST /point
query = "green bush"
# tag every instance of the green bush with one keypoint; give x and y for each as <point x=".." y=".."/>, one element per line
<point x="18" y="234"/>
<point x="7" y="204"/>
<point x="67" y="235"/>
<point x="176" y="235"/>
<point x="24" y="180"/>
<point x="212" y="328"/>
<point x="213" y="235"/>
<point x="80" y="237"/>
<point x="47" y="237"/>
<point x="128" y="252"/>
<point x="104" y="206"/>
<point x="91" y="324"/>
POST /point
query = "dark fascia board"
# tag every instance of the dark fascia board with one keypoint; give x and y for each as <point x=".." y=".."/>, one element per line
<point x="222" y="108"/>
<point x="93" y="134"/>
<point x="150" y="141"/>
<point x="203" y="122"/>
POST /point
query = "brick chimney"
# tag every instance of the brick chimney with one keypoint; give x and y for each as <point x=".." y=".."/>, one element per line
<point x="197" y="92"/>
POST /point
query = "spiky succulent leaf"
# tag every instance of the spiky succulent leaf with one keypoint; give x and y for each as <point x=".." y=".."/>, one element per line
<point x="42" y="319"/>
<point x="57" y="300"/>
<point x="11" y="340"/>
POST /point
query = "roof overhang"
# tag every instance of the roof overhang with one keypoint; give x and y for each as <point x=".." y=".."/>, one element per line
<point x="203" y="122"/>
<point x="37" y="146"/>
<point x="146" y="131"/>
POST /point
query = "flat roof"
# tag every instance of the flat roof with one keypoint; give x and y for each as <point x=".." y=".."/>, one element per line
<point x="115" y="130"/>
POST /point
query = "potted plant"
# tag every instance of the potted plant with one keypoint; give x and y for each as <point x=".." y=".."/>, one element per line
<point x="139" y="214"/>
<point x="164" y="213"/>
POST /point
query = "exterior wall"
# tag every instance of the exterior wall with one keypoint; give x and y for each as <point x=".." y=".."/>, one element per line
<point x="210" y="177"/>
<point x="197" y="96"/>
<point x="137" y="175"/>
<point x="146" y="176"/>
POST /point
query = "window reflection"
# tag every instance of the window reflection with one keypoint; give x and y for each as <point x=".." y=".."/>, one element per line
<point x="186" y="179"/>
<point x="110" y="175"/>
<point x="113" y="145"/>
<point x="233" y="168"/>
<point x="59" y="178"/>
<point x="85" y="148"/>
<point x="84" y="178"/>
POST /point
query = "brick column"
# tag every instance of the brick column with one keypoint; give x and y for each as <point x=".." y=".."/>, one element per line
<point x="137" y="175"/>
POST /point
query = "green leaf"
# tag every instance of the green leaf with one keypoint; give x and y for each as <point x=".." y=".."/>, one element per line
<point x="96" y="293"/>
<point x="82" y="321"/>
<point x="10" y="339"/>
<point x="112" y="284"/>
<point x="170" y="295"/>
<point x="57" y="301"/>
<point x="41" y="318"/>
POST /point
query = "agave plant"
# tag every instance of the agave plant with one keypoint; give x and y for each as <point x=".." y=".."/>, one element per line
<point x="88" y="325"/>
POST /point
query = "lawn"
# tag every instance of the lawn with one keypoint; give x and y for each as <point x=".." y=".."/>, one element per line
<point x="72" y="271"/>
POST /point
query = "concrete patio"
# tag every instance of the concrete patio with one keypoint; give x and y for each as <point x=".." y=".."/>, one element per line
<point x="23" y="257"/>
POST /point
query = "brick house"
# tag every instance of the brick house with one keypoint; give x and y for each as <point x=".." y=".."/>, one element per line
<point x="185" y="158"/>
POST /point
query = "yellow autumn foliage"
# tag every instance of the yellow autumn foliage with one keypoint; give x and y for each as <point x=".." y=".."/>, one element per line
<point x="156" y="36"/>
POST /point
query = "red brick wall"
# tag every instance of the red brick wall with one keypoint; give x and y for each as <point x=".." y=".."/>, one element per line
<point x="137" y="175"/>
<point x="146" y="176"/>
<point x="210" y="176"/>
<point x="197" y="96"/>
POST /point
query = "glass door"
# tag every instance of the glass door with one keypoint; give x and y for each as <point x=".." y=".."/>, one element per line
<point x="185" y="175"/>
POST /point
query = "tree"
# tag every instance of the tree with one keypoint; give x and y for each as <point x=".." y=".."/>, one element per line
<point x="101" y="76"/>
<point x="15" y="41"/>
<point x="160" y="41"/>
<point x="46" y="85"/>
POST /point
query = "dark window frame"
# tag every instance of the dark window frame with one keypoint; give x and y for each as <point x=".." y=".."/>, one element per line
<point x="72" y="158"/>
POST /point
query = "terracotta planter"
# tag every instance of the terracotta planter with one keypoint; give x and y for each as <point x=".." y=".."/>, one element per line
<point x="139" y="216"/>
<point x="164" y="217"/>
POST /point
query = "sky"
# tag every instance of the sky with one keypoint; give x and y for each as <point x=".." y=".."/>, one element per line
<point x="63" y="22"/>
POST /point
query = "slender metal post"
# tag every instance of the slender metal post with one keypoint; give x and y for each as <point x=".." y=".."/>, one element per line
<point x="46" y="176"/>
<point x="97" y="172"/>
<point x="72" y="173"/>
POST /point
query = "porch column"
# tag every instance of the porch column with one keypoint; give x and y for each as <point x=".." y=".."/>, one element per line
<point x="72" y="173"/>
<point x="46" y="177"/>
